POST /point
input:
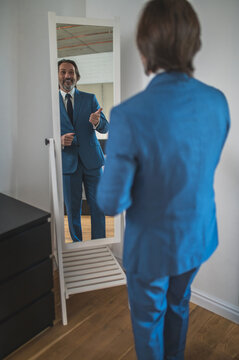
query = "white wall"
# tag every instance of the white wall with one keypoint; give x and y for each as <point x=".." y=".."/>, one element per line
<point x="217" y="64"/>
<point x="132" y="78"/>
<point x="94" y="68"/>
<point x="8" y="95"/>
<point x="27" y="121"/>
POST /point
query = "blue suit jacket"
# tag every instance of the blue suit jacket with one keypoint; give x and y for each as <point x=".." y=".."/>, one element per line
<point x="163" y="148"/>
<point x="85" y="143"/>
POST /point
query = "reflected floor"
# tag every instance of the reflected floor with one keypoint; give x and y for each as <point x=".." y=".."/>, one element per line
<point x="86" y="228"/>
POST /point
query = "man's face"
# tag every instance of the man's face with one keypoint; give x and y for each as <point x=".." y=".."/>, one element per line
<point x="67" y="77"/>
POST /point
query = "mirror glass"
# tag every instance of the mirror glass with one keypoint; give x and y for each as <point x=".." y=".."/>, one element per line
<point x="91" y="48"/>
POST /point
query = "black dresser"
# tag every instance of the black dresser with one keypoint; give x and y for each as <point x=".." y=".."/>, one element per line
<point x="26" y="279"/>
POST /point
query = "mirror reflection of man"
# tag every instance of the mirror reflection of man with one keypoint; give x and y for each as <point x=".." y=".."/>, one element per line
<point x="82" y="156"/>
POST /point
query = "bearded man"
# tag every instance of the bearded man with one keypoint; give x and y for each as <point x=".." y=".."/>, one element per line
<point x="82" y="156"/>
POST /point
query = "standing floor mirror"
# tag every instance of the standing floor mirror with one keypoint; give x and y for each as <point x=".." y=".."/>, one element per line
<point x="94" y="45"/>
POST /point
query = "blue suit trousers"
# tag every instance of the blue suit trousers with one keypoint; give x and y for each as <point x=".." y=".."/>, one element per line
<point x="159" y="313"/>
<point x="72" y="188"/>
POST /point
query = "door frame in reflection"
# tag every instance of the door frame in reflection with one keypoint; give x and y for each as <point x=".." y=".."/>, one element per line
<point x="53" y="20"/>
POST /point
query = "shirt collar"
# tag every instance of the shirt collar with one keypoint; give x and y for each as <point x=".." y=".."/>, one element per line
<point x="153" y="75"/>
<point x="166" y="76"/>
<point x="63" y="93"/>
<point x="159" y="71"/>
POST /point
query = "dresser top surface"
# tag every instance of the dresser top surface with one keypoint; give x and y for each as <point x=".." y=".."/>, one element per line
<point x="16" y="215"/>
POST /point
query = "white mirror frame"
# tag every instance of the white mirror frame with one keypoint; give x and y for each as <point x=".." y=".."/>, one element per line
<point x="52" y="21"/>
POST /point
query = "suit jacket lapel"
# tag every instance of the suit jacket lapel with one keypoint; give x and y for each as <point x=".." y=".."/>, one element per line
<point x="77" y="106"/>
<point x="64" y="112"/>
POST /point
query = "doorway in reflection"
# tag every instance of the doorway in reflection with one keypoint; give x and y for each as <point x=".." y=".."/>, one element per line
<point x="91" y="48"/>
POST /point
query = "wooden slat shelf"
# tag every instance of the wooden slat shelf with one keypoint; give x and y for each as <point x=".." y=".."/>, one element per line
<point x="91" y="269"/>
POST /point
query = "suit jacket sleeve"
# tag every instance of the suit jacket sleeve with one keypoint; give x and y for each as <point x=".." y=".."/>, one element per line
<point x="103" y="126"/>
<point x="114" y="191"/>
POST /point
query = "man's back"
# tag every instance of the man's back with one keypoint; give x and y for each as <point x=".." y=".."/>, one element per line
<point x="167" y="141"/>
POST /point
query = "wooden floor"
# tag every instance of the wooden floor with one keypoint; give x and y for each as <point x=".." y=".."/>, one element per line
<point x="86" y="228"/>
<point x="99" y="328"/>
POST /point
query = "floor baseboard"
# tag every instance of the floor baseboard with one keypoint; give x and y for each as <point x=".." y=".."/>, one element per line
<point x="217" y="306"/>
<point x="208" y="302"/>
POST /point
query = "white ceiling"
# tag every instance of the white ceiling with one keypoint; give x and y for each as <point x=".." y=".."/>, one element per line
<point x="74" y="40"/>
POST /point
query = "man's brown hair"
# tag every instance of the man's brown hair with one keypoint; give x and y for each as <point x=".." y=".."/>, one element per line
<point x="168" y="35"/>
<point x="72" y="62"/>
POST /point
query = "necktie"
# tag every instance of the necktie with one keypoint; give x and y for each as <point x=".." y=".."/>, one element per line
<point x="69" y="107"/>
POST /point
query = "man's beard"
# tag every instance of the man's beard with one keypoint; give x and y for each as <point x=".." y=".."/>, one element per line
<point x="66" y="86"/>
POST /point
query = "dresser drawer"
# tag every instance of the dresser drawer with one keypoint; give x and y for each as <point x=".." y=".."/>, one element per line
<point x="24" y="288"/>
<point x="21" y="251"/>
<point x="20" y="328"/>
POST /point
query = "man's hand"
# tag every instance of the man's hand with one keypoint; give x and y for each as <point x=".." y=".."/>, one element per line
<point x="66" y="139"/>
<point x="95" y="117"/>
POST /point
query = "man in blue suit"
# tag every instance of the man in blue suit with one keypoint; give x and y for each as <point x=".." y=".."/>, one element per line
<point x="163" y="148"/>
<point x="82" y="156"/>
